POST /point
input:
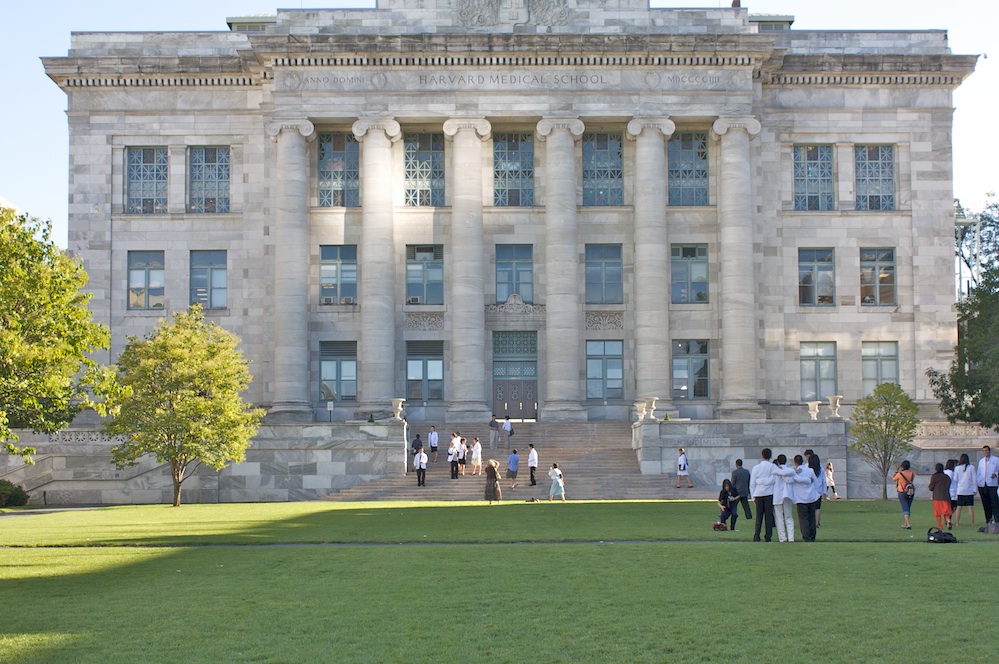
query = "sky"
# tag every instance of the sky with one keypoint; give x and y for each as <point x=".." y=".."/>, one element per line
<point x="33" y="128"/>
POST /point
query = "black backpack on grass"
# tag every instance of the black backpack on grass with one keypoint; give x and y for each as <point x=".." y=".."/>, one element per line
<point x="940" y="536"/>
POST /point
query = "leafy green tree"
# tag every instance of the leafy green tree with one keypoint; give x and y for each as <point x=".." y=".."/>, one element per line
<point x="969" y="392"/>
<point x="181" y="398"/>
<point x="882" y="428"/>
<point x="977" y="240"/>
<point x="47" y="334"/>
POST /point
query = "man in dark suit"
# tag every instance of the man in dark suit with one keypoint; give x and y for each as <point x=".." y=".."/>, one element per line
<point x="740" y="485"/>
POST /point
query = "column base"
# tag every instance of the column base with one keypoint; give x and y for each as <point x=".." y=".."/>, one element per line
<point x="379" y="411"/>
<point x="468" y="412"/>
<point x="562" y="411"/>
<point x="281" y="413"/>
<point x="740" y="410"/>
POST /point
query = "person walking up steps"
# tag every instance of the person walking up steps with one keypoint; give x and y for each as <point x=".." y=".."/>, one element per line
<point x="512" y="466"/>
<point x="558" y="484"/>
<point x="532" y="463"/>
<point x="683" y="470"/>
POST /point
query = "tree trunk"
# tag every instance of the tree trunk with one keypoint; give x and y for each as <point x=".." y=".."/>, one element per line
<point x="884" y="487"/>
<point x="178" y="478"/>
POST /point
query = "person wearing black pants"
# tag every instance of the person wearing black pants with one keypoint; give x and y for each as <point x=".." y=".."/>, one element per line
<point x="761" y="488"/>
<point x="988" y="479"/>
<point x="740" y="483"/>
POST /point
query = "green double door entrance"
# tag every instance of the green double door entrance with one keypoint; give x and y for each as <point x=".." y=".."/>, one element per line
<point x="515" y="375"/>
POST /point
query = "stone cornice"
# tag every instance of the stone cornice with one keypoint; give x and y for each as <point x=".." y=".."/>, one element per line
<point x="869" y="69"/>
<point x="639" y="124"/>
<point x="481" y="126"/>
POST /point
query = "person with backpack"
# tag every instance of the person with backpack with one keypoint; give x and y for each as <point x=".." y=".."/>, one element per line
<point x="904" y="480"/>
<point x="940" y="488"/>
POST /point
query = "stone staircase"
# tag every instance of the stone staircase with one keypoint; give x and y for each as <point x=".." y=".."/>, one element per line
<point x="596" y="459"/>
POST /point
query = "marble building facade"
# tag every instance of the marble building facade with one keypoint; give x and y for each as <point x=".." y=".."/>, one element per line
<point x="547" y="209"/>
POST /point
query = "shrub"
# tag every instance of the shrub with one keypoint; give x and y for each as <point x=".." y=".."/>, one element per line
<point x="12" y="495"/>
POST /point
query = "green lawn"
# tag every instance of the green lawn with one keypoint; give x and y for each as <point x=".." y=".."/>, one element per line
<point x="573" y="582"/>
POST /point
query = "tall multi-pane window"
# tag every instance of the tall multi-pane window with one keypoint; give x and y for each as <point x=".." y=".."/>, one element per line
<point x="877" y="276"/>
<point x="813" y="177"/>
<point x="424" y="177"/>
<point x="425" y="274"/>
<point x="689" y="273"/>
<point x="338" y="274"/>
<point x="514" y="271"/>
<point x="208" y="179"/>
<point x="604" y="274"/>
<point x="875" y="176"/>
<point x="880" y="363"/>
<point x="603" y="169"/>
<point x="339" y="170"/>
<point x="338" y="370"/>
<point x="818" y="370"/>
<point x="604" y="369"/>
<point x="209" y="279"/>
<point x="424" y="370"/>
<point x="688" y="168"/>
<point x="145" y="180"/>
<point x="513" y="169"/>
<point x="690" y="369"/>
<point x="816" y="277"/>
<point x="146" y="280"/>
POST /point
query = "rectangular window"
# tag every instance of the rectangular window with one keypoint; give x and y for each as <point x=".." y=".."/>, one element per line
<point x="689" y="273"/>
<point x="813" y="177"/>
<point x="513" y="170"/>
<point x="208" y="279"/>
<point x="875" y="176"/>
<point x="425" y="370"/>
<point x="604" y="369"/>
<point x="877" y="277"/>
<point x="146" y="180"/>
<point x="816" y="277"/>
<point x="818" y="370"/>
<point x="338" y="370"/>
<point x="339" y="170"/>
<point x="424" y="169"/>
<point x="880" y="364"/>
<point x="688" y="168"/>
<point x="603" y="169"/>
<point x="604" y="274"/>
<point x="425" y="274"/>
<point x="514" y="271"/>
<point x="146" y="280"/>
<point x="690" y="369"/>
<point x="208" y="180"/>
<point x="338" y="274"/>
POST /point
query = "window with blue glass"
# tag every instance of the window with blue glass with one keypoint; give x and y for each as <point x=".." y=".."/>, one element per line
<point x="208" y="180"/>
<point x="813" y="177"/>
<point x="339" y="170"/>
<point x="425" y="274"/>
<point x="514" y="271"/>
<point x="687" y="168"/>
<point x="816" y="277"/>
<point x="690" y="369"/>
<point x="877" y="276"/>
<point x="146" y="280"/>
<point x="145" y="180"/>
<point x="603" y="169"/>
<point x="689" y="273"/>
<point x="513" y="169"/>
<point x="338" y="370"/>
<point x="818" y="370"/>
<point x="338" y="274"/>
<point x="604" y="274"/>
<point x="875" y="176"/>
<point x="424" y="169"/>
<point x="424" y="370"/>
<point x="209" y="285"/>
<point x="604" y="369"/>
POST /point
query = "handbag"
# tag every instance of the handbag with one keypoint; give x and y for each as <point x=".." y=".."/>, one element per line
<point x="909" y="489"/>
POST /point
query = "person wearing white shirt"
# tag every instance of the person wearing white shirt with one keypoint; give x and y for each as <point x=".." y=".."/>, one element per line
<point x="988" y="483"/>
<point x="507" y="431"/>
<point x="805" y="489"/>
<point x="420" y="461"/>
<point x="783" y="505"/>
<point x="965" y="477"/>
<point x="532" y="463"/>
<point x="476" y="456"/>
<point x="761" y="490"/>
<point x="432" y="439"/>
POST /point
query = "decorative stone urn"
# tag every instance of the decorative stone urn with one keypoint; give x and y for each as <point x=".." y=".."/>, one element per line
<point x="397" y="408"/>
<point x="650" y="407"/>
<point x="640" y="410"/>
<point x="834" y="404"/>
<point x="813" y="409"/>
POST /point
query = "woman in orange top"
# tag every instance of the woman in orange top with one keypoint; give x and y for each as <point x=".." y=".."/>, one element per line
<point x="903" y="478"/>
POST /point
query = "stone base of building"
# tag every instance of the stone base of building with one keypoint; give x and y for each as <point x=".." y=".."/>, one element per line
<point x="557" y="411"/>
<point x="740" y="410"/>
<point x="288" y="413"/>
<point x="467" y="412"/>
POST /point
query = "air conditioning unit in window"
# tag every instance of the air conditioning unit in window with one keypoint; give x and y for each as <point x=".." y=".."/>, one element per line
<point x="413" y="300"/>
<point x="347" y="300"/>
<point x="328" y="300"/>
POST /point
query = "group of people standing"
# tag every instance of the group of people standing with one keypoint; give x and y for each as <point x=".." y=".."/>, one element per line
<point x="778" y="489"/>
<point x="952" y="486"/>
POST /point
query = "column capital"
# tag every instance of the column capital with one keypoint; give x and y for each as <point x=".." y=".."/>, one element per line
<point x="481" y="127"/>
<point x="301" y="125"/>
<point x="726" y="122"/>
<point x="638" y="124"/>
<point x="547" y="125"/>
<point x="388" y="125"/>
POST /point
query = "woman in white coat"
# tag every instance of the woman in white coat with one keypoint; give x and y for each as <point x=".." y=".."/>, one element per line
<point x="967" y="486"/>
<point x="783" y="506"/>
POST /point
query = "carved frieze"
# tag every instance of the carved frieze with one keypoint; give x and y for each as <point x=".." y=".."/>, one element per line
<point x="515" y="306"/>
<point x="550" y="12"/>
<point x="474" y="13"/>
<point x="604" y="320"/>
<point x="424" y="322"/>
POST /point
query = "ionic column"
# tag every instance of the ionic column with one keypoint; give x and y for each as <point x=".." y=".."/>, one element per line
<point x="376" y="369"/>
<point x="564" y="320"/>
<point x="468" y="386"/>
<point x="291" y="400"/>
<point x="652" y="284"/>
<point x="737" y="306"/>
